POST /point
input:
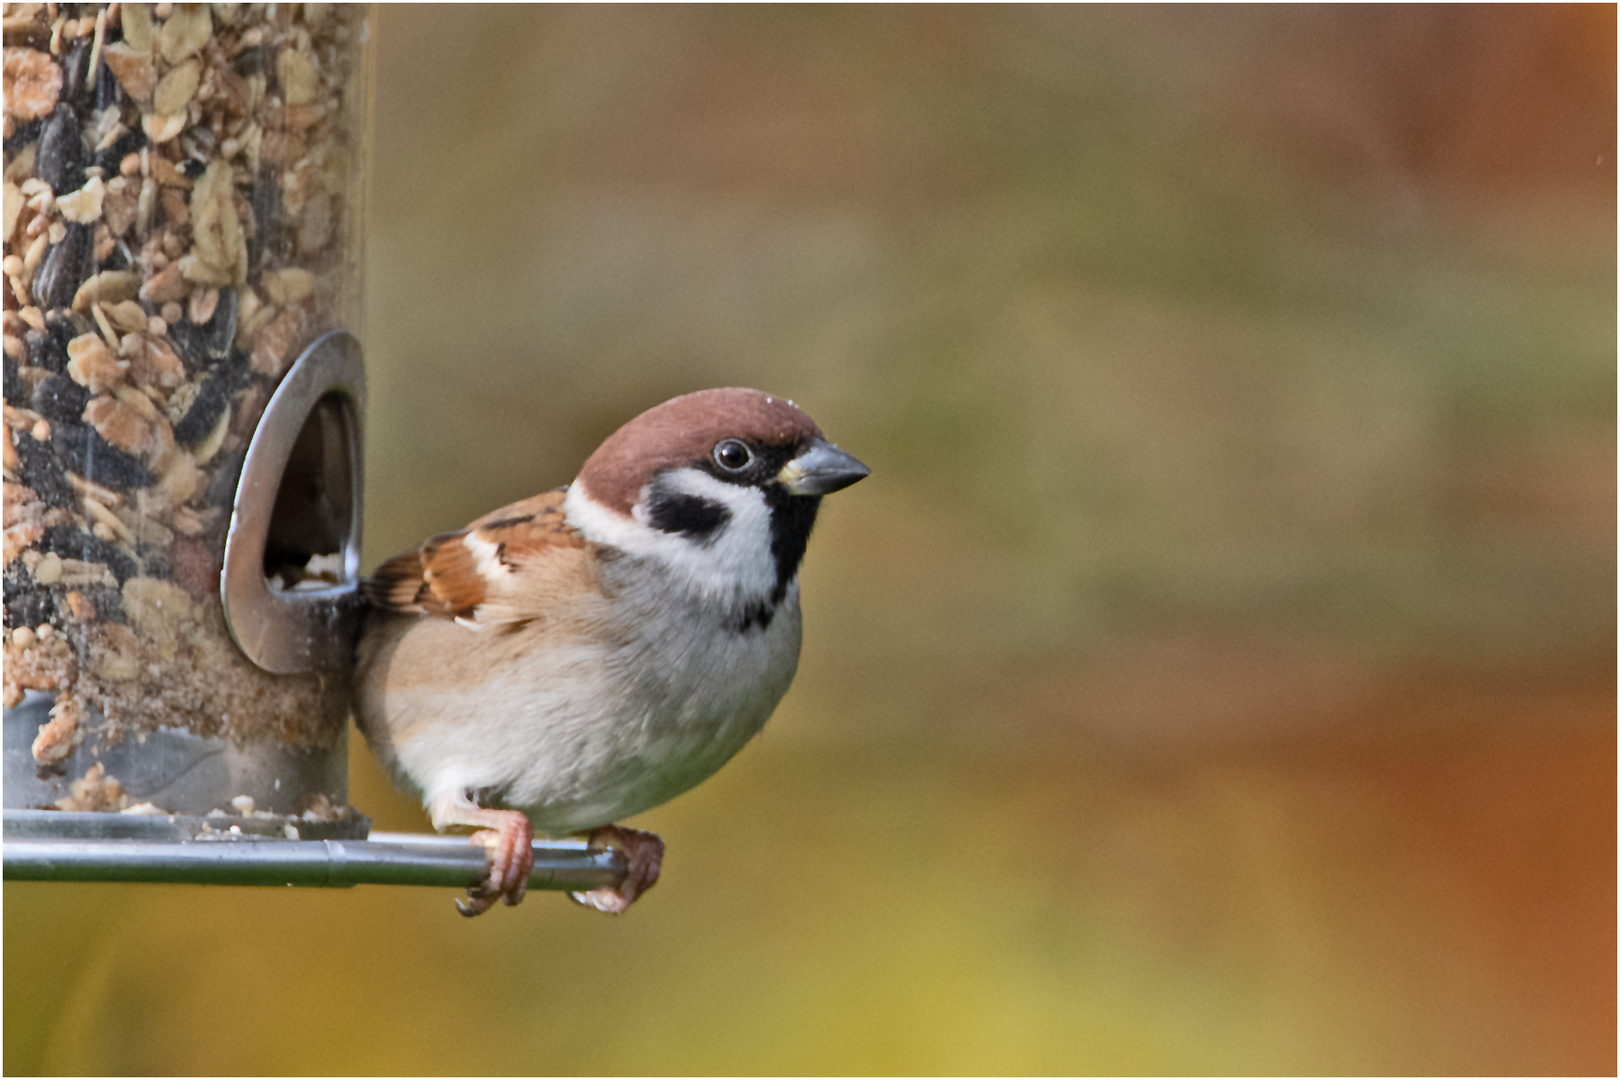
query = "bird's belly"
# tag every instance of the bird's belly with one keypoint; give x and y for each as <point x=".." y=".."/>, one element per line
<point x="583" y="734"/>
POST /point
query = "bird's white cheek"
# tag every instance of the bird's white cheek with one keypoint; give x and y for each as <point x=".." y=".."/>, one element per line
<point x="740" y="551"/>
<point x="732" y="564"/>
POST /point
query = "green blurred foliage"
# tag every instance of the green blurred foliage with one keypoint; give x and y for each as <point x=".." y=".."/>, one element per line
<point x="1215" y="675"/>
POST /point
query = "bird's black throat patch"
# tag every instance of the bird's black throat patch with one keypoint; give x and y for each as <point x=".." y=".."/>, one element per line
<point x="792" y="518"/>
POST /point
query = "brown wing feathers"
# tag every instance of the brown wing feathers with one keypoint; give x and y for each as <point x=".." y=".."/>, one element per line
<point x="397" y="585"/>
<point x="452" y="574"/>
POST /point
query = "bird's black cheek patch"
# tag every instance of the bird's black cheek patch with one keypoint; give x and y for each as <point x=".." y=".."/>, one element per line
<point x="689" y="515"/>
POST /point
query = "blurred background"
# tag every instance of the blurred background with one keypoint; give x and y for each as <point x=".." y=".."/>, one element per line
<point x="1217" y="673"/>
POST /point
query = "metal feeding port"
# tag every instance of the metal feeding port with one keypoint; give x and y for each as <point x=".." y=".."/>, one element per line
<point x="166" y="804"/>
<point x="290" y="582"/>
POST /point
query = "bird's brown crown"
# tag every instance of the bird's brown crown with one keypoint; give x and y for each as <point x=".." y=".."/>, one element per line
<point x="684" y="430"/>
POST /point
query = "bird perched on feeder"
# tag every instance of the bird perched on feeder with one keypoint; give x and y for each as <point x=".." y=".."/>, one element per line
<point x="581" y="656"/>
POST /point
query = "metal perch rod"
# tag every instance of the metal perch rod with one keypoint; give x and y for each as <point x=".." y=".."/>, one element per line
<point x="385" y="859"/>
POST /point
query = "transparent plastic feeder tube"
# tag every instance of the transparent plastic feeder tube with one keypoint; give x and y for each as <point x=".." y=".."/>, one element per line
<point x="182" y="283"/>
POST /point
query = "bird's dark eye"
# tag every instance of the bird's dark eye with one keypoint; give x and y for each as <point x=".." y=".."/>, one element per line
<point x="732" y="455"/>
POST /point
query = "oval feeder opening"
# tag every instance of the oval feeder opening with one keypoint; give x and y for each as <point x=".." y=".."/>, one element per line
<point x="292" y="556"/>
<point x="315" y="519"/>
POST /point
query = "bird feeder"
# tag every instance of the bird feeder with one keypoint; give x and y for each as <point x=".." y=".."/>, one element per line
<point x="184" y="392"/>
<point x="183" y="404"/>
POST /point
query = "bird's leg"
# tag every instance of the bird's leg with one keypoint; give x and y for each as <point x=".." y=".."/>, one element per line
<point x="507" y="836"/>
<point x="511" y="858"/>
<point x="643" y="855"/>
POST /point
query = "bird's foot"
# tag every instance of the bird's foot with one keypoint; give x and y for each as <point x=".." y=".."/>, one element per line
<point x="643" y="854"/>
<point x="511" y="858"/>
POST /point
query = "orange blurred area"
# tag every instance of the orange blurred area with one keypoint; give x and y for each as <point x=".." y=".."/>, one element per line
<point x="1217" y="672"/>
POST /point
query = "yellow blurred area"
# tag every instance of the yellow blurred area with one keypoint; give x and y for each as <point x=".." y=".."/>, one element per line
<point x="1216" y="674"/>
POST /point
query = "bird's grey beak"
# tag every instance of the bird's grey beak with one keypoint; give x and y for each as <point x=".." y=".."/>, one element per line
<point x="821" y="470"/>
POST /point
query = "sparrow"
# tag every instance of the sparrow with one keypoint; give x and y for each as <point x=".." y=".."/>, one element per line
<point x="590" y="653"/>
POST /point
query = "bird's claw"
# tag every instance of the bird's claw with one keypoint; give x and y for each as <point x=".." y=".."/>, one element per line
<point x="643" y="854"/>
<point x="511" y="859"/>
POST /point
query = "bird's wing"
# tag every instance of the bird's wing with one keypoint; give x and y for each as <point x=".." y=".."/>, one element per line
<point x="472" y="575"/>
